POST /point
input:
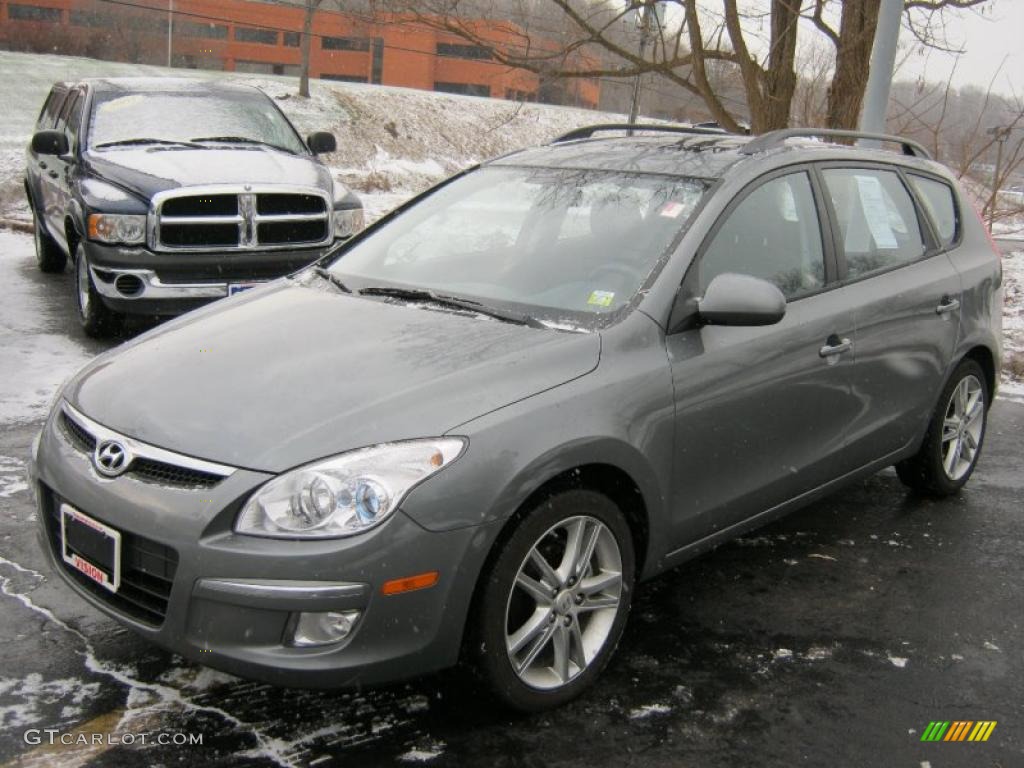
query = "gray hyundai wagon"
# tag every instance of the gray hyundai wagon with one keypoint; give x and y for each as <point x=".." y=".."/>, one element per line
<point x="470" y="431"/>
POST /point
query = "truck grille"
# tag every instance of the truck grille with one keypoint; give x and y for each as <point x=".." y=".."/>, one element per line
<point x="204" y="219"/>
<point x="147" y="569"/>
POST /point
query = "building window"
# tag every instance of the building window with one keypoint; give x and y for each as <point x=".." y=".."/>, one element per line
<point x="89" y="19"/>
<point x="343" y="78"/>
<point x="460" y="51"/>
<point x="292" y="39"/>
<point x="466" y="89"/>
<point x="515" y="95"/>
<point x="20" y="12"/>
<point x="194" y="29"/>
<point x="254" y="35"/>
<point x="345" y="43"/>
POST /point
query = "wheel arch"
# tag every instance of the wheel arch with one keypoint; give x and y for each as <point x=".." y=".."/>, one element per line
<point x="608" y="479"/>
<point x="983" y="356"/>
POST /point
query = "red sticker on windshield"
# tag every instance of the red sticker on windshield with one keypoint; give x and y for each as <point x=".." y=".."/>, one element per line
<point x="671" y="209"/>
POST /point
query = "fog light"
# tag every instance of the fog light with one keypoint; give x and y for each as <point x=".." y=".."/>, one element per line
<point x="323" y="628"/>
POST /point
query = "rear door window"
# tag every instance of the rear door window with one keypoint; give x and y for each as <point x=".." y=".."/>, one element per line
<point x="878" y="223"/>
<point x="940" y="202"/>
<point x="773" y="234"/>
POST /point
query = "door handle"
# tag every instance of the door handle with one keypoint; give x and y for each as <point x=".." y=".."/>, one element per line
<point x="947" y="304"/>
<point x="835" y="346"/>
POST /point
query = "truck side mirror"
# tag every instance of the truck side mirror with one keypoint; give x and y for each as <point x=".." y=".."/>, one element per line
<point x="320" y="142"/>
<point x="50" y="143"/>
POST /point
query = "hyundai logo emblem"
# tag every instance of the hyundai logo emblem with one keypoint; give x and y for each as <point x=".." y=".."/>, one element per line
<point x="110" y="458"/>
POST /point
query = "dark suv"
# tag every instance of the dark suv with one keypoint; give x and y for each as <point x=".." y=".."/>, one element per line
<point x="169" y="193"/>
<point x="479" y="423"/>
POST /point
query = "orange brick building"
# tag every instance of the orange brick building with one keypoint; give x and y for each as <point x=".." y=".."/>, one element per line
<point x="247" y="36"/>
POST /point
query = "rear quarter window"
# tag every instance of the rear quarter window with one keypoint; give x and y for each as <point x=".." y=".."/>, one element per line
<point x="939" y="200"/>
<point x="877" y="219"/>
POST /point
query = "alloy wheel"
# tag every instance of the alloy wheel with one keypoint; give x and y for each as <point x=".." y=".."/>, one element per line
<point x="564" y="602"/>
<point x="962" y="427"/>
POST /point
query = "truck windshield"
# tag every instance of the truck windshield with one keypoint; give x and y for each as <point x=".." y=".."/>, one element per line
<point x="553" y="243"/>
<point x="180" y="117"/>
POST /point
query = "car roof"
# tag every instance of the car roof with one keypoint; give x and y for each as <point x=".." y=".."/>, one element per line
<point x="706" y="155"/>
<point x="161" y="85"/>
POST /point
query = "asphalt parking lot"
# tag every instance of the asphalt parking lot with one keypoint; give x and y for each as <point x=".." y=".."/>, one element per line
<point x="833" y="637"/>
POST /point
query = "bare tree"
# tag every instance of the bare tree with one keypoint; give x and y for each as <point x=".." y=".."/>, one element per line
<point x="705" y="37"/>
<point x="311" y="7"/>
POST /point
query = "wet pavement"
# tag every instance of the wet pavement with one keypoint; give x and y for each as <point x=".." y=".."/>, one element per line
<point x="832" y="637"/>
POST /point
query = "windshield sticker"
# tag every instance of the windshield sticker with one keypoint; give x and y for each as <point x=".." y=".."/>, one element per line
<point x="875" y="211"/>
<point x="601" y="298"/>
<point x="671" y="209"/>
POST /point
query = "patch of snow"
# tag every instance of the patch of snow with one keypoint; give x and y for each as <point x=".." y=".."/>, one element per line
<point x="988" y="645"/>
<point x="898" y="661"/>
<point x="823" y="557"/>
<point x="818" y="653"/>
<point x="423" y="754"/>
<point x="12" y="476"/>
<point x="34" y="363"/>
<point x="32" y="692"/>
<point x="647" y="710"/>
<point x="782" y="654"/>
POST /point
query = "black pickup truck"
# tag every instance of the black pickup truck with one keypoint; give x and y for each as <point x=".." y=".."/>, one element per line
<point x="168" y="193"/>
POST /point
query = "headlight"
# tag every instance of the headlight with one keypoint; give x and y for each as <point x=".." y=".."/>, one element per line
<point x="348" y="221"/>
<point x="117" y="228"/>
<point x="347" y="494"/>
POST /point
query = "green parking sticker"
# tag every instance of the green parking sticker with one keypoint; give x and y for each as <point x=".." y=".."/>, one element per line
<point x="601" y="298"/>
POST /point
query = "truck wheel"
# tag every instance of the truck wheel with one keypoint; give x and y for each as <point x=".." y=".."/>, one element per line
<point x="554" y="603"/>
<point x="955" y="434"/>
<point x="96" y="318"/>
<point x="49" y="256"/>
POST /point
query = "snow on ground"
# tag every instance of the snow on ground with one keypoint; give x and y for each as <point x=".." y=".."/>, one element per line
<point x="34" y="363"/>
<point x="391" y="140"/>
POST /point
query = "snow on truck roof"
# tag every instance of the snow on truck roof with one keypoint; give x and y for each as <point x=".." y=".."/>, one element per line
<point x="163" y="85"/>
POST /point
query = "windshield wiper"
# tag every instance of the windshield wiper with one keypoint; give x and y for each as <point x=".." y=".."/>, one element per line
<point x="453" y="302"/>
<point x="242" y="140"/>
<point x="130" y="142"/>
<point x="329" y="276"/>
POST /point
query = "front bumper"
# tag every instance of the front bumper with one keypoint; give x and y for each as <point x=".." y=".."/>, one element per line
<point x="229" y="601"/>
<point x="135" y="280"/>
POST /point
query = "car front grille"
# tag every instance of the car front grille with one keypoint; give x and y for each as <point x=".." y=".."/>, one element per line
<point x="147" y="568"/>
<point x="141" y="468"/>
<point x="192" y="219"/>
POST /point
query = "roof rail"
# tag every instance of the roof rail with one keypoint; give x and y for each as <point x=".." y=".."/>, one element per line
<point x="774" y="139"/>
<point x="589" y="130"/>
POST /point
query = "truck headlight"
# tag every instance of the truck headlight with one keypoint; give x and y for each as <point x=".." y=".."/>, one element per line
<point x="128" y="229"/>
<point x="348" y="221"/>
<point x="346" y="494"/>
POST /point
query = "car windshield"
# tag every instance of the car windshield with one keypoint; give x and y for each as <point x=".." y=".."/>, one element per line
<point x="173" y="117"/>
<point x="556" y="243"/>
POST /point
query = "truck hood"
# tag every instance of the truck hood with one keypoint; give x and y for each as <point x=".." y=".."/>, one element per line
<point x="148" y="170"/>
<point x="288" y="373"/>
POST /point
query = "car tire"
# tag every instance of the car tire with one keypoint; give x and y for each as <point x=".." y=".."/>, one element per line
<point x="956" y="432"/>
<point x="49" y="256"/>
<point x="568" y="616"/>
<point x="97" y="320"/>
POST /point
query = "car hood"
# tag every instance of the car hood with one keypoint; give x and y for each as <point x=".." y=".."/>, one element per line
<point x="148" y="170"/>
<point x="288" y="373"/>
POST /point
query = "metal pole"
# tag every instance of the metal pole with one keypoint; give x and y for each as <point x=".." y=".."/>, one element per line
<point x="170" y="27"/>
<point x="645" y="26"/>
<point x="883" y="59"/>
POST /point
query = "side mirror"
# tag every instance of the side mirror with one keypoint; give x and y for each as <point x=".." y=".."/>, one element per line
<point x="50" y="143"/>
<point x="733" y="299"/>
<point x="320" y="142"/>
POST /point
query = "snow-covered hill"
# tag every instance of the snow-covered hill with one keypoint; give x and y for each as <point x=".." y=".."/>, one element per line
<point x="392" y="141"/>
